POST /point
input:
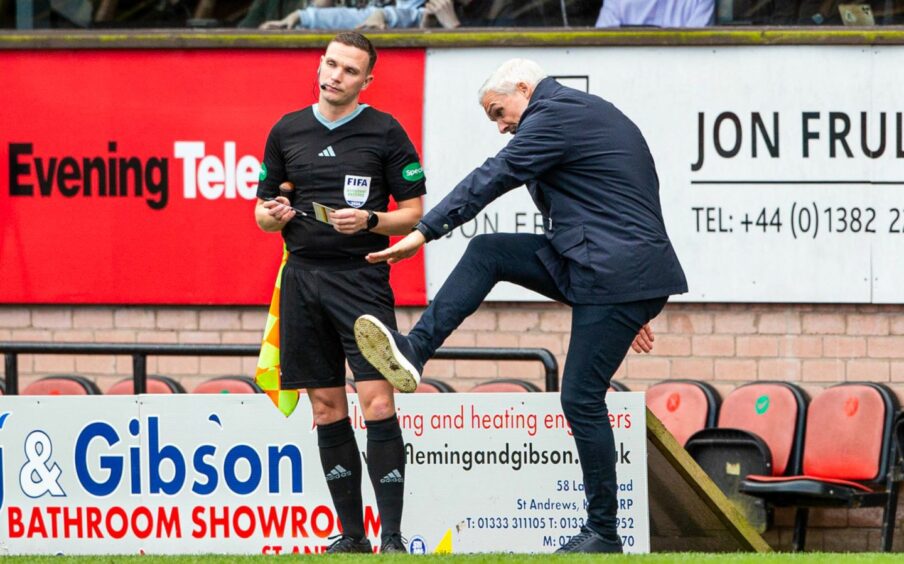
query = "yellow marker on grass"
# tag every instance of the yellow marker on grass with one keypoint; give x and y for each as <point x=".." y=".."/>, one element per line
<point x="445" y="545"/>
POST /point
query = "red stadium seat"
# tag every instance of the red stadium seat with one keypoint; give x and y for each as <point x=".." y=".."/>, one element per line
<point x="760" y="431"/>
<point x="154" y="385"/>
<point x="775" y="412"/>
<point x="61" y="385"/>
<point x="228" y="385"/>
<point x="505" y="385"/>
<point x="848" y="457"/>
<point x="684" y="406"/>
<point x="433" y="386"/>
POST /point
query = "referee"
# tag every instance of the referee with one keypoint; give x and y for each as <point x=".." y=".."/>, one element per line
<point x="351" y="158"/>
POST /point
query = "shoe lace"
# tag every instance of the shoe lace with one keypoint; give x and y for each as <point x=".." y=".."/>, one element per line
<point x="340" y="540"/>
<point x="576" y="540"/>
<point x="396" y="537"/>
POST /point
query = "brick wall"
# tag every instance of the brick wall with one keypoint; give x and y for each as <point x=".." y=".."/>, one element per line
<point x="726" y="345"/>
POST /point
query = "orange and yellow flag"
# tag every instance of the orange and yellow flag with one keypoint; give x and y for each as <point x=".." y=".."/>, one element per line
<point x="267" y="373"/>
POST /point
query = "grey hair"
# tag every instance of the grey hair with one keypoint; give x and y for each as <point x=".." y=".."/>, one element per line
<point x="505" y="79"/>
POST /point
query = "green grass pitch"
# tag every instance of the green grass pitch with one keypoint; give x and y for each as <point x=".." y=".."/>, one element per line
<point x="664" y="558"/>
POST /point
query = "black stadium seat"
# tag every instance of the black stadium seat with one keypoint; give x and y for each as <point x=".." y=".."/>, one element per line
<point x="848" y="459"/>
<point x="505" y="385"/>
<point x="61" y="385"/>
<point x="433" y="386"/>
<point x="616" y="386"/>
<point x="760" y="431"/>
<point x="228" y="385"/>
<point x="154" y="385"/>
<point x="899" y="438"/>
<point x="684" y="406"/>
<point x="350" y="387"/>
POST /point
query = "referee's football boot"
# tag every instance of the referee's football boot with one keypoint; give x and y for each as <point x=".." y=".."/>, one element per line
<point x="389" y="352"/>
<point x="346" y="543"/>
<point x="394" y="543"/>
<point x="589" y="541"/>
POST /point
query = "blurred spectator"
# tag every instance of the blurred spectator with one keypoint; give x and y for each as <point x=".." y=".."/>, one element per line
<point x="262" y="11"/>
<point x="659" y="13"/>
<point x="827" y="12"/>
<point x="757" y="12"/>
<point x="784" y="12"/>
<point x="448" y="14"/>
<point x="405" y="13"/>
<point x="808" y="12"/>
<point x="451" y="14"/>
<point x="76" y="11"/>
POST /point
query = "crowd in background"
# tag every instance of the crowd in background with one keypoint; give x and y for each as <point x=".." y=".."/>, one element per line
<point x="443" y="14"/>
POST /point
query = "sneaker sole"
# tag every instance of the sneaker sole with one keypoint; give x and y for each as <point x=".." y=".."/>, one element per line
<point x="380" y="350"/>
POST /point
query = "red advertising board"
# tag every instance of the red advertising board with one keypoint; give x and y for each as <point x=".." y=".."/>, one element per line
<point x="186" y="130"/>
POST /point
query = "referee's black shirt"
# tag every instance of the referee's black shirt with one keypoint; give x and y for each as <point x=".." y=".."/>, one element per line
<point x="355" y="162"/>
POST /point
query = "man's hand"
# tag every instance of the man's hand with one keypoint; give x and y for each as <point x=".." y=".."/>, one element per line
<point x="288" y="22"/>
<point x="348" y="221"/>
<point x="405" y="248"/>
<point x="643" y="342"/>
<point x="443" y="11"/>
<point x="376" y="20"/>
<point x="279" y="210"/>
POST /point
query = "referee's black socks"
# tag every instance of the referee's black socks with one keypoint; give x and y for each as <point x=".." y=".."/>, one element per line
<point x="386" y="466"/>
<point x="341" y="463"/>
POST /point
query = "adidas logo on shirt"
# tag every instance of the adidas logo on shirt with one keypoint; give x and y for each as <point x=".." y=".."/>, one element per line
<point x="393" y="477"/>
<point x="337" y="473"/>
<point x="328" y="152"/>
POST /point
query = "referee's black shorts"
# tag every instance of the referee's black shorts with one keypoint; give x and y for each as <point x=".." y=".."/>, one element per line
<point x="318" y="306"/>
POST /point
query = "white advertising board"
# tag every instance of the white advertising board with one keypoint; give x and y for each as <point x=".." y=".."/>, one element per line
<point x="229" y="474"/>
<point x="781" y="168"/>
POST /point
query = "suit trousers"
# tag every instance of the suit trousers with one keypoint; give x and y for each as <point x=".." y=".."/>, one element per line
<point x="601" y="335"/>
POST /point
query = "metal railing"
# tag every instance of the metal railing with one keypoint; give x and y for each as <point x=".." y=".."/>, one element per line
<point x="141" y="351"/>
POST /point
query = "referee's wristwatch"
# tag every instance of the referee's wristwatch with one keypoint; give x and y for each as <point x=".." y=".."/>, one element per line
<point x="372" y="220"/>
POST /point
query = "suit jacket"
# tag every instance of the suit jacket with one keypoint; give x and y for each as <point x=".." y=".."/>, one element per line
<point x="590" y="173"/>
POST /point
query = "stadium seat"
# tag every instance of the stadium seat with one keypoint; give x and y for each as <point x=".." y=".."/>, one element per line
<point x="228" y="385"/>
<point x="616" y="386"/>
<point x="505" y="385"/>
<point x="350" y="387"/>
<point x="61" y="385"/>
<point x="684" y="406"/>
<point x="847" y="459"/>
<point x="760" y="431"/>
<point x="433" y="386"/>
<point x="154" y="385"/>
<point x="899" y="438"/>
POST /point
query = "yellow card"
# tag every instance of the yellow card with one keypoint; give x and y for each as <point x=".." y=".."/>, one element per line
<point x="321" y="212"/>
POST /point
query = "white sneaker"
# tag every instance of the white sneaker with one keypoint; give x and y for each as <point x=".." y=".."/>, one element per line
<point x="389" y="352"/>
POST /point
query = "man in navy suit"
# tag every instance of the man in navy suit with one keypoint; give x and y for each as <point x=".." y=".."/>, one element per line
<point x="605" y="253"/>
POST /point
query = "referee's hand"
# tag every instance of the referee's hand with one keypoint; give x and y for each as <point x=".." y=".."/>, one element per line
<point x="348" y="221"/>
<point x="405" y="248"/>
<point x="280" y="210"/>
